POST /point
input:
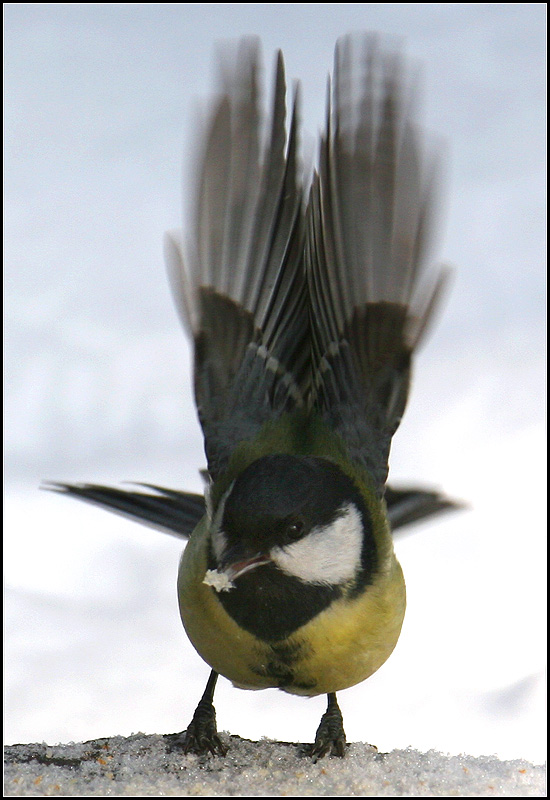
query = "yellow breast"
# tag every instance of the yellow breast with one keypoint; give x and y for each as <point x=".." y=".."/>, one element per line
<point x="341" y="646"/>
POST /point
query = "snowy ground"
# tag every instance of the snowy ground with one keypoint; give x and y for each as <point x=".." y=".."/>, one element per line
<point x="143" y="766"/>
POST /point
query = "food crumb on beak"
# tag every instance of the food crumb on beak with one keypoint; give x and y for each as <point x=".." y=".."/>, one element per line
<point x="220" y="581"/>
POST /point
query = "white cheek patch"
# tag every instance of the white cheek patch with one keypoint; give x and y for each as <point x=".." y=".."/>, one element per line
<point x="330" y="555"/>
<point x="217" y="536"/>
<point x="219" y="544"/>
<point x="219" y="581"/>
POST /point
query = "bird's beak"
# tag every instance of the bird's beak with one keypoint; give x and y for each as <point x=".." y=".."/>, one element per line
<point x="237" y="568"/>
<point x="234" y="564"/>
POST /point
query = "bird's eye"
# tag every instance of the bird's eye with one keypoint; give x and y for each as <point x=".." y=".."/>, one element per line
<point x="295" y="529"/>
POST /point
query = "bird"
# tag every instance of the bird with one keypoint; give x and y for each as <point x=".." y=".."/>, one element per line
<point x="305" y="295"/>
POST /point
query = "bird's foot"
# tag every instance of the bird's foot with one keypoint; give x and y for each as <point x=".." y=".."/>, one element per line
<point x="201" y="737"/>
<point x="330" y="738"/>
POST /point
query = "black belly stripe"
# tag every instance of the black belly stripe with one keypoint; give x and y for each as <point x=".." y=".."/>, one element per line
<point x="281" y="659"/>
<point x="271" y="605"/>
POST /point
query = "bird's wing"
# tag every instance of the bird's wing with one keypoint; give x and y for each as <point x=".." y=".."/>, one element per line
<point x="178" y="513"/>
<point x="369" y="227"/>
<point x="170" y="511"/>
<point x="411" y="504"/>
<point x="241" y="290"/>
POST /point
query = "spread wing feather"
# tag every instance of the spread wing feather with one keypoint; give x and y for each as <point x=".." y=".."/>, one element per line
<point x="369" y="224"/>
<point x="242" y="291"/>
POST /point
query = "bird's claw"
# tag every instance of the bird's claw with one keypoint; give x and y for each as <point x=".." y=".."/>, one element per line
<point x="202" y="740"/>
<point x="327" y="746"/>
<point x="330" y="738"/>
<point x="201" y="737"/>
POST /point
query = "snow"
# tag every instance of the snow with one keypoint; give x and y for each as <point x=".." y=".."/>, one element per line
<point x="145" y="766"/>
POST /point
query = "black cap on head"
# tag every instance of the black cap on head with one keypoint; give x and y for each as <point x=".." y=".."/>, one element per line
<point x="281" y="497"/>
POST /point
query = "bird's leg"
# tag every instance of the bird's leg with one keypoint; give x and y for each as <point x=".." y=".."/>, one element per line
<point x="330" y="737"/>
<point x="201" y="737"/>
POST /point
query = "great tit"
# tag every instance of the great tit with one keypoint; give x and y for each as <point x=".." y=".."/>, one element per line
<point x="305" y="300"/>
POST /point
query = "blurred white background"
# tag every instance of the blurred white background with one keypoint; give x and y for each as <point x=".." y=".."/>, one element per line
<point x="99" y="103"/>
